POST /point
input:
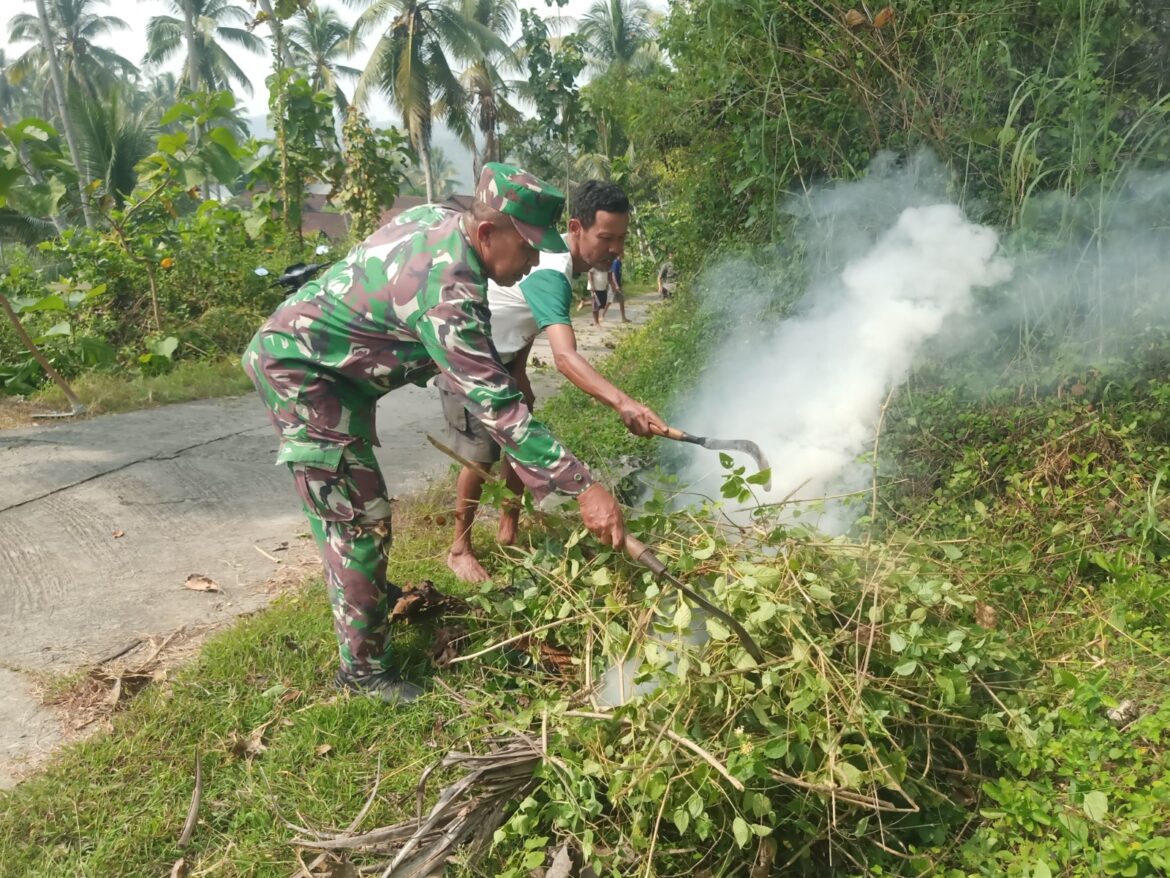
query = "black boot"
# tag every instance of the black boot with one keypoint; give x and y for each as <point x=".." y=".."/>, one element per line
<point x="385" y="685"/>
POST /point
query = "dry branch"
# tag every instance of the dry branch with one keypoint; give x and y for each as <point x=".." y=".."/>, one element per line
<point x="467" y="812"/>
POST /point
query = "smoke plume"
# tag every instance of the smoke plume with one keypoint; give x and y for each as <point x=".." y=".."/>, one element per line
<point x="891" y="262"/>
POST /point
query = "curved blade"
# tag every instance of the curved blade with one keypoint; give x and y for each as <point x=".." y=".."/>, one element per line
<point x="743" y="446"/>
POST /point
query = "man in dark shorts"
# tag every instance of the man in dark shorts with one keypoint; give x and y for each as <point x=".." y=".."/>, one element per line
<point x="599" y="292"/>
<point x="617" y="297"/>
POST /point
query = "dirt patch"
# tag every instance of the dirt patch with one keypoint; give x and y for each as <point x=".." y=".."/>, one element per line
<point x="16" y="412"/>
<point x="84" y="703"/>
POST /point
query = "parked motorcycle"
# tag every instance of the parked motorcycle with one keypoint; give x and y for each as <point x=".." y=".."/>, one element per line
<point x="296" y="275"/>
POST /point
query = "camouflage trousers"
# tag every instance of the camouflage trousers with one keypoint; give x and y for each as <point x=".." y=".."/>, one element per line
<point x="344" y="497"/>
<point x="349" y="515"/>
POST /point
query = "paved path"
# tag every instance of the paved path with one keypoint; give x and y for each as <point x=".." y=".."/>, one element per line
<point x="188" y="488"/>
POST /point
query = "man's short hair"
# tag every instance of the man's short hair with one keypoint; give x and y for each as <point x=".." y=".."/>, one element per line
<point x="481" y="213"/>
<point x="594" y="195"/>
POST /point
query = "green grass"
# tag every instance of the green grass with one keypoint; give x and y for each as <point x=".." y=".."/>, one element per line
<point x="114" y="805"/>
<point x="1053" y="514"/>
<point x="105" y="393"/>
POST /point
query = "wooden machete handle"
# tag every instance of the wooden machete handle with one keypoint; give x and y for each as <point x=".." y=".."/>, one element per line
<point x="638" y="551"/>
<point x="672" y="433"/>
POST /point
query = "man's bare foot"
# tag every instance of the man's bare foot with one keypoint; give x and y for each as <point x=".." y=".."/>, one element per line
<point x="466" y="566"/>
<point x="506" y="533"/>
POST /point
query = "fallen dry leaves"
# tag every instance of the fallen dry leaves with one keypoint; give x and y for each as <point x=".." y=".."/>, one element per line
<point x="424" y="601"/>
<point x="201" y="582"/>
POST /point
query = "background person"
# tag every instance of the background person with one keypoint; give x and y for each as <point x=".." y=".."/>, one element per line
<point x="617" y="296"/>
<point x="599" y="291"/>
<point x="667" y="277"/>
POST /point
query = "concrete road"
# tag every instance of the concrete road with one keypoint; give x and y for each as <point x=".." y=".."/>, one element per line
<point x="102" y="520"/>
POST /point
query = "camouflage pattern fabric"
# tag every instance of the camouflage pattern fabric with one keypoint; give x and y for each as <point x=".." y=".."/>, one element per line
<point x="407" y="303"/>
<point x="349" y="515"/>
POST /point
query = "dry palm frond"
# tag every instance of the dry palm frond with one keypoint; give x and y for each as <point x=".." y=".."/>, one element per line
<point x="467" y="812"/>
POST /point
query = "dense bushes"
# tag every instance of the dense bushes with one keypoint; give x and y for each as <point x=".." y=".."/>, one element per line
<point x="210" y="299"/>
<point x="769" y="98"/>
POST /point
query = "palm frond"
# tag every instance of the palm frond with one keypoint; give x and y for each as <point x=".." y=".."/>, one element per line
<point x="23" y="229"/>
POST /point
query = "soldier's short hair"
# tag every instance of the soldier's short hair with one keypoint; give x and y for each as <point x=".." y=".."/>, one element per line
<point x="481" y="213"/>
<point x="594" y="195"/>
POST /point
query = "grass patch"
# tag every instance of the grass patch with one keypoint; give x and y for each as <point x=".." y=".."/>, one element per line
<point x="114" y="805"/>
<point x="1016" y="597"/>
<point x="105" y="393"/>
<point x="665" y="354"/>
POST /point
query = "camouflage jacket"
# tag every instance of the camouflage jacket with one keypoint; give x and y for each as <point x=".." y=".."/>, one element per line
<point x="408" y="302"/>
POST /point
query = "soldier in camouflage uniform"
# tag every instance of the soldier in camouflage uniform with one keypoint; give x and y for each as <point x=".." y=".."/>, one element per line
<point x="406" y="304"/>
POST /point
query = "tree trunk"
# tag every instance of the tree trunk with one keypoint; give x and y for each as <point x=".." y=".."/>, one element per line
<point x="76" y="404"/>
<point x="424" y="155"/>
<point x="193" y="71"/>
<point x="284" y="56"/>
<point x="192" y="52"/>
<point x="62" y="108"/>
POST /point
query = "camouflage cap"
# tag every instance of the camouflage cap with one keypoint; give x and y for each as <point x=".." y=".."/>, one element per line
<point x="534" y="206"/>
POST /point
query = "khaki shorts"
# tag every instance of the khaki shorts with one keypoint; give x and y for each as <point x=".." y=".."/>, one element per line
<point x="468" y="437"/>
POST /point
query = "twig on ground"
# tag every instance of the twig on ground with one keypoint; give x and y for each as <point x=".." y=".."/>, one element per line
<point x="503" y="643"/>
<point x="193" y="811"/>
<point x="271" y="558"/>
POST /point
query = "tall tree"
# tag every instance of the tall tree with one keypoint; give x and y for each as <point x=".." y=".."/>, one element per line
<point x="318" y="39"/>
<point x="63" y="108"/>
<point x="444" y="177"/>
<point x="411" y="65"/>
<point x="201" y="30"/>
<point x="484" y="82"/>
<point x="619" y="34"/>
<point x="112" y="138"/>
<point x="16" y="100"/>
<point x="74" y="25"/>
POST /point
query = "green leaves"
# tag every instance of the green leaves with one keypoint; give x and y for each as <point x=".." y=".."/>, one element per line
<point x="741" y="831"/>
<point x="1095" y="805"/>
<point x="716" y="630"/>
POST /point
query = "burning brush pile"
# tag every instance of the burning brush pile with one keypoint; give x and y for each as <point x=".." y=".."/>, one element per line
<point x="620" y="725"/>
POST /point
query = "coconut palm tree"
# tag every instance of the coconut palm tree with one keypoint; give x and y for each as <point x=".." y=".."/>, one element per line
<point x="16" y="98"/>
<point x="74" y="25"/>
<point x="444" y="177"/>
<point x="411" y="65"/>
<point x="317" y="40"/>
<point x="620" y="35"/>
<point x="112" y="138"/>
<point x="484" y="82"/>
<point x="160" y="90"/>
<point x="58" y="79"/>
<point x="201" y="29"/>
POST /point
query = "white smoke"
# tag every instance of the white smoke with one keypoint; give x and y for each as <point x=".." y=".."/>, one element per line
<point x="810" y="389"/>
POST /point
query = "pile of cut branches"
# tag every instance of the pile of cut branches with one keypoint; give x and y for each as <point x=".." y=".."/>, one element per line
<point x="860" y="743"/>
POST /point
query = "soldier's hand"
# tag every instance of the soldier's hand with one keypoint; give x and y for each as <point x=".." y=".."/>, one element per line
<point x="639" y="419"/>
<point x="602" y="515"/>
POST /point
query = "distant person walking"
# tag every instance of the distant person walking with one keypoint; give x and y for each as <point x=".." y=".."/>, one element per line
<point x="615" y="283"/>
<point x="599" y="292"/>
<point x="667" y="277"/>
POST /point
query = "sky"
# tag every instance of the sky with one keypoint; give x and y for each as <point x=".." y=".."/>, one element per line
<point x="131" y="44"/>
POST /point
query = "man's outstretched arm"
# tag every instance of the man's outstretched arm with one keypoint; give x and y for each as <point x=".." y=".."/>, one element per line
<point x="639" y="419"/>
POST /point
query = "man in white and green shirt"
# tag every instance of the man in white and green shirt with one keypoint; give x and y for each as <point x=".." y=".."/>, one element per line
<point x="599" y="219"/>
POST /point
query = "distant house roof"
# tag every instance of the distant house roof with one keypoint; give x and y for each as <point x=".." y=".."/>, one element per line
<point x="406" y="202"/>
<point x="316" y="218"/>
<point x="333" y="226"/>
